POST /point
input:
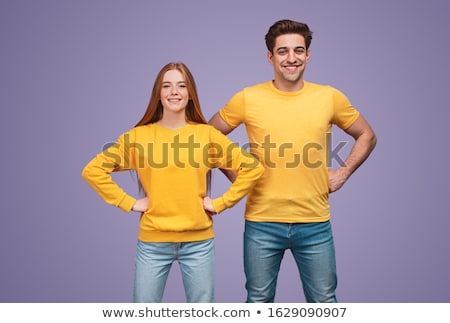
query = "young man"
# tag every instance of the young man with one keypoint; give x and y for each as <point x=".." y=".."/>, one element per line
<point x="288" y="121"/>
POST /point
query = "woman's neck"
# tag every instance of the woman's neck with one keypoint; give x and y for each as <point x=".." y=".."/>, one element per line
<point x="173" y="120"/>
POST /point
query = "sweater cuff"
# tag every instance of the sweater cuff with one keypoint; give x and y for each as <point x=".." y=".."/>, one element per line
<point x="126" y="204"/>
<point x="219" y="204"/>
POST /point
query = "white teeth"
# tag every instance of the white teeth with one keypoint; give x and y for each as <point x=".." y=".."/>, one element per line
<point x="290" y="68"/>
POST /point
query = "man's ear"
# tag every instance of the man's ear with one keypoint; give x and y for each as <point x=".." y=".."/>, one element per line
<point x="269" y="57"/>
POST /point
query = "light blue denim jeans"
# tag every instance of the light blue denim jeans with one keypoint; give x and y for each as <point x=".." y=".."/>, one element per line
<point x="153" y="263"/>
<point x="311" y="245"/>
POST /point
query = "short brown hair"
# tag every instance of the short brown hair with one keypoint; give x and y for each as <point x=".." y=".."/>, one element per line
<point x="286" y="26"/>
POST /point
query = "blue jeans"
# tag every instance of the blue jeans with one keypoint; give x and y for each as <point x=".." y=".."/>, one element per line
<point x="311" y="245"/>
<point x="153" y="263"/>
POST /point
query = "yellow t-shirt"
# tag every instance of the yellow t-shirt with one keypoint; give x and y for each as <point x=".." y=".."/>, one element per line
<point x="172" y="166"/>
<point x="288" y="133"/>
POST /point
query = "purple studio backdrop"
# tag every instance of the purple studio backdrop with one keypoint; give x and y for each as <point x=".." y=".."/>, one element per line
<point x="76" y="74"/>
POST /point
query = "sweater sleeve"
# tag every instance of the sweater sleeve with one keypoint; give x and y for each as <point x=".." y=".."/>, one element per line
<point x="97" y="173"/>
<point x="227" y="155"/>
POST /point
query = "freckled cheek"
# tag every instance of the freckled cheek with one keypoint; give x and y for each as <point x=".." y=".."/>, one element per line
<point x="164" y="93"/>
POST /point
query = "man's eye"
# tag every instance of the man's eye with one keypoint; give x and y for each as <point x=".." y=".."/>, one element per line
<point x="282" y="52"/>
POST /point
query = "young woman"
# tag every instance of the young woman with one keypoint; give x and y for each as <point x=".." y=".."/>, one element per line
<point x="173" y="149"/>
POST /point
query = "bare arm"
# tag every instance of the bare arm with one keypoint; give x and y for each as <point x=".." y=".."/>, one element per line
<point x="217" y="122"/>
<point x="220" y="124"/>
<point x="365" y="141"/>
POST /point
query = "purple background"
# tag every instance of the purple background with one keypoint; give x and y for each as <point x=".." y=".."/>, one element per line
<point x="75" y="74"/>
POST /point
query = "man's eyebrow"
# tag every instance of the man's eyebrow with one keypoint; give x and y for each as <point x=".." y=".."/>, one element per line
<point x="285" y="47"/>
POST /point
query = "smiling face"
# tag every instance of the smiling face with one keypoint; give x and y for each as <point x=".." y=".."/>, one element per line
<point x="289" y="60"/>
<point x="174" y="93"/>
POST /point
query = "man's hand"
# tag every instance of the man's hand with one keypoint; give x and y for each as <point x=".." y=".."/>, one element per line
<point x="337" y="178"/>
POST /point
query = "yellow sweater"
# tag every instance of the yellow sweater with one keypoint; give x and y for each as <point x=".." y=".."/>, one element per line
<point x="289" y="133"/>
<point x="172" y="166"/>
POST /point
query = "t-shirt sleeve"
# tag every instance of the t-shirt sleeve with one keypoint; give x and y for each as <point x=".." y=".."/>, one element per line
<point x="233" y="113"/>
<point x="345" y="114"/>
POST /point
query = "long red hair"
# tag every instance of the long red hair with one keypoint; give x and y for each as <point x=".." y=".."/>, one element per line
<point x="154" y="110"/>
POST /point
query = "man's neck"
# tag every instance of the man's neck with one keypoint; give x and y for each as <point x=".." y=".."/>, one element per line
<point x="287" y="86"/>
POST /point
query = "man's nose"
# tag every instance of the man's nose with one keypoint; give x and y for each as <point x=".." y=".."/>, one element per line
<point x="291" y="56"/>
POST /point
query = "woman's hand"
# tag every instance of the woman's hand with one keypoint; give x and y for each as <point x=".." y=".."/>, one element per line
<point x="141" y="205"/>
<point x="208" y="206"/>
